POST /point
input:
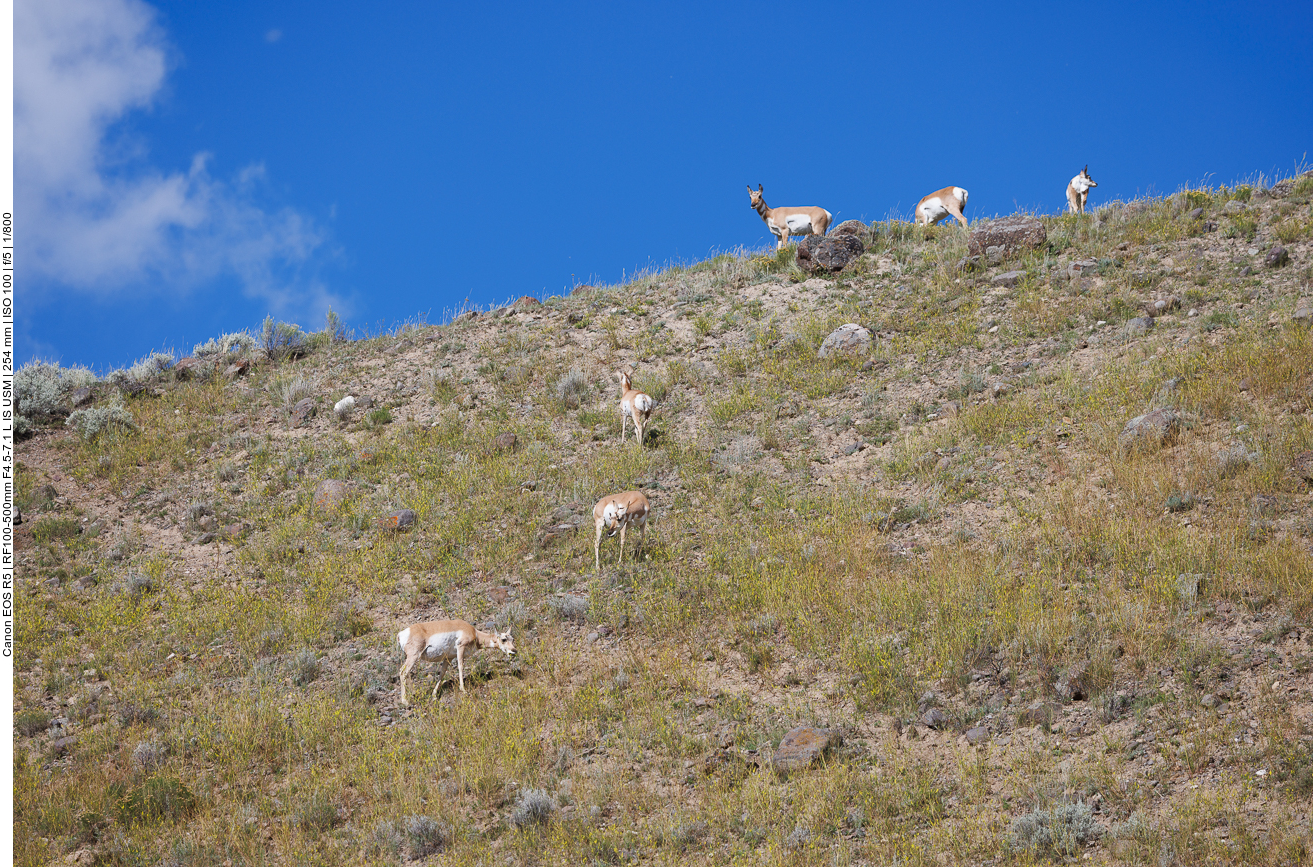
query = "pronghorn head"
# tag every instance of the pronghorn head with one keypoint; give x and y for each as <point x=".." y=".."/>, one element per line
<point x="504" y="642"/>
<point x="755" y="196"/>
<point x="624" y="377"/>
<point x="613" y="516"/>
<point x="1085" y="176"/>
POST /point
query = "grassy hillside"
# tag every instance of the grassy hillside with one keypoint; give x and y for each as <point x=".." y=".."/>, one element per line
<point x="937" y="538"/>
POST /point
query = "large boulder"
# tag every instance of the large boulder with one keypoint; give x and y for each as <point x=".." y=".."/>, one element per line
<point x="856" y="228"/>
<point x="850" y="339"/>
<point x="828" y="254"/>
<point x="1011" y="234"/>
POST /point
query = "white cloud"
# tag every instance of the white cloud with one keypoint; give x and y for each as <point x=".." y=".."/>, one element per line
<point x="99" y="218"/>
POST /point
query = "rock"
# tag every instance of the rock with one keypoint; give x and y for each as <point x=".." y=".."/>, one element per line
<point x="1302" y="466"/>
<point x="192" y="368"/>
<point x="1008" y="278"/>
<point x="1303" y="311"/>
<point x="1080" y="267"/>
<point x="994" y="256"/>
<point x="1163" y="305"/>
<point x="80" y="397"/>
<point x="828" y="254"/>
<point x="856" y="228"/>
<point x="935" y="718"/>
<point x="237" y="369"/>
<point x="802" y="747"/>
<point x="1277" y="257"/>
<point x="1139" y="326"/>
<point x="1197" y="214"/>
<point x="304" y="410"/>
<point x="42" y="497"/>
<point x="331" y="493"/>
<point x="1037" y="713"/>
<point x="402" y="519"/>
<point x="849" y="339"/>
<point x="344" y="406"/>
<point x="1234" y="460"/>
<point x="1152" y="430"/>
<point x="526" y="302"/>
<point x="1246" y="271"/>
<point x="62" y="746"/>
<point x="971" y="263"/>
<point x="505" y="442"/>
<point x="1073" y="686"/>
<point x="977" y="735"/>
<point x="1233" y="207"/>
<point x="1209" y="700"/>
<point x="1011" y="234"/>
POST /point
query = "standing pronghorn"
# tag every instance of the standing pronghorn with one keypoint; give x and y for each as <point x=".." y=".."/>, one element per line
<point x="633" y="404"/>
<point x="940" y="204"/>
<point x="1079" y="190"/>
<point x="615" y="513"/>
<point x="784" y="222"/>
<point x="440" y="641"/>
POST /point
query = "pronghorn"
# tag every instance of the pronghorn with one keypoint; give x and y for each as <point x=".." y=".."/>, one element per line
<point x="615" y="513"/>
<point x="443" y="640"/>
<point x="633" y="404"/>
<point x="1079" y="190"/>
<point x="784" y="222"/>
<point x="942" y="203"/>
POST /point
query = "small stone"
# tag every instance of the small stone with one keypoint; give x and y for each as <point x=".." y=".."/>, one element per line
<point x="80" y="397"/>
<point x="1139" y="325"/>
<point x="1197" y="214"/>
<point x="1008" y="279"/>
<point x="1233" y="207"/>
<point x="240" y="368"/>
<point x="802" y="747"/>
<point x="1080" y="266"/>
<point x="1303" y="311"/>
<point x="849" y="339"/>
<point x="1209" y="700"/>
<point x="1010" y="235"/>
<point x="592" y="637"/>
<point x="1234" y="460"/>
<point x="331" y="493"/>
<point x="977" y="735"/>
<point x="505" y="442"/>
<point x="303" y="411"/>
<point x="1246" y="271"/>
<point x="971" y="263"/>
<point x="829" y="253"/>
<point x="62" y="746"/>
<point x="1302" y="466"/>
<point x="1277" y="257"/>
<point x="402" y="519"/>
<point x="1152" y="430"/>
<point x="934" y="718"/>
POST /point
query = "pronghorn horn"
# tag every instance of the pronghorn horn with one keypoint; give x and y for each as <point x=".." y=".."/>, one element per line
<point x="1087" y="168"/>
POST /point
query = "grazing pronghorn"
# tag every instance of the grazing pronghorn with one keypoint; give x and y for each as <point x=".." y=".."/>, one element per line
<point x="784" y="222"/>
<point x="615" y="513"/>
<point x="1079" y="190"/>
<point x="633" y="404"/>
<point x="443" y="640"/>
<point x="942" y="203"/>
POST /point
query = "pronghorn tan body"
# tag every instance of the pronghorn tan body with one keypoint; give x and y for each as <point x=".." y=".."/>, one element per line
<point x="634" y="405"/>
<point x="614" y="514"/>
<point x="950" y="201"/>
<point x="1079" y="190"/>
<point x="445" y="640"/>
<point x="784" y="222"/>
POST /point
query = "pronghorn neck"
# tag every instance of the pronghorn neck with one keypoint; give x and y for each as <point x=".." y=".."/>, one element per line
<point x="762" y="208"/>
<point x="484" y="639"/>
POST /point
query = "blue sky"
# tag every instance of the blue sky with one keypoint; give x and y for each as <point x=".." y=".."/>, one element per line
<point x="185" y="169"/>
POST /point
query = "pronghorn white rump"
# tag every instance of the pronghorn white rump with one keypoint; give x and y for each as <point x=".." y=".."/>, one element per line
<point x="1079" y="190"/>
<point x="445" y="640"/>
<point x="634" y="405"/>
<point x="784" y="222"/>
<point x="950" y="201"/>
<point x="614" y="514"/>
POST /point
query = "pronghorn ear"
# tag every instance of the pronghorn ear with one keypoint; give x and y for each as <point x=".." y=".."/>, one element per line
<point x="1087" y="168"/>
<point x="759" y="188"/>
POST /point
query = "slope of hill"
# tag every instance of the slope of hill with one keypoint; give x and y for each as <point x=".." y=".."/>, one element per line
<point x="1027" y="635"/>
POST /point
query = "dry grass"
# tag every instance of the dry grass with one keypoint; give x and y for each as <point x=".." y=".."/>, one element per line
<point x="833" y="540"/>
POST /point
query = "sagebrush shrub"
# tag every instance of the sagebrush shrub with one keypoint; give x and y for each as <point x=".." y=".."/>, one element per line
<point x="1062" y="830"/>
<point x="533" y="807"/>
<point x="96" y="420"/>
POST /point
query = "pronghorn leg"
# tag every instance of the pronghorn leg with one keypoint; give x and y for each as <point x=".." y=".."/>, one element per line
<point x="622" y="543"/>
<point x="642" y="539"/>
<point x="638" y="427"/>
<point x="957" y="214"/>
<point x="405" y="670"/>
<point x="460" y="664"/>
<point x="597" y="549"/>
<point x="442" y="672"/>
<point x="624" y="423"/>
